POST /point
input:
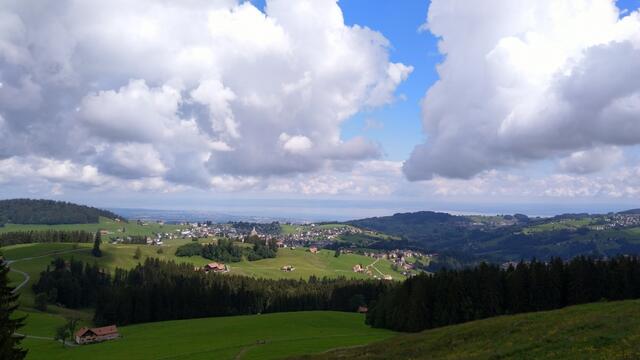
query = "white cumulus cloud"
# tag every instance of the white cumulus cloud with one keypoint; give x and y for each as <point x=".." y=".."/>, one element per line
<point x="528" y="80"/>
<point x="193" y="93"/>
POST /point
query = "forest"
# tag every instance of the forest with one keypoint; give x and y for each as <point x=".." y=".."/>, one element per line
<point x="49" y="212"/>
<point x="158" y="290"/>
<point x="456" y="296"/>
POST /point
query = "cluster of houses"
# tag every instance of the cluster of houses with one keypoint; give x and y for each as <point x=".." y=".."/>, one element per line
<point x="617" y="221"/>
<point x="399" y="259"/>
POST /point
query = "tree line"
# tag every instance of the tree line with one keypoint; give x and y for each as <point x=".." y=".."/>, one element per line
<point x="46" y="236"/>
<point x="455" y="296"/>
<point x="159" y="290"/>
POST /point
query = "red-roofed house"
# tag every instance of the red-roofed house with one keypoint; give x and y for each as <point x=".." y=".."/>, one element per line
<point x="91" y="335"/>
<point x="215" y="267"/>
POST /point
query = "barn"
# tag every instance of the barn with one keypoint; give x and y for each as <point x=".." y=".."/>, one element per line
<point x="91" y="335"/>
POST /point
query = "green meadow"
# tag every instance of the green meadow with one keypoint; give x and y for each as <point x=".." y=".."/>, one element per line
<point x="267" y="336"/>
<point x="321" y="264"/>
<point x="114" y="227"/>
<point x="591" y="331"/>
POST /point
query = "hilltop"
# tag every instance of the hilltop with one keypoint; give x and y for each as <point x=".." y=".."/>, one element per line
<point x="594" y="331"/>
<point x="502" y="238"/>
<point x="49" y="212"/>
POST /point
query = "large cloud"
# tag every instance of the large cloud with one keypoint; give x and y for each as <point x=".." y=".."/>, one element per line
<point x="188" y="92"/>
<point x="528" y="80"/>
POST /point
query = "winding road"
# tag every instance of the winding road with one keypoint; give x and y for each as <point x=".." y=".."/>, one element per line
<point x="27" y="277"/>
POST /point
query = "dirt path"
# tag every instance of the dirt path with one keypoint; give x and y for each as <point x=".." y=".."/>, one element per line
<point x="68" y="342"/>
<point x="26" y="276"/>
<point x="24" y="282"/>
<point x="375" y="268"/>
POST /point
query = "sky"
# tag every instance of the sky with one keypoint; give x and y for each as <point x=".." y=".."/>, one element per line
<point x="320" y="107"/>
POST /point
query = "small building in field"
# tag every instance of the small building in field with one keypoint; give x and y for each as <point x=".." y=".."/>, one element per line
<point x="287" y="268"/>
<point x="313" y="250"/>
<point x="358" y="268"/>
<point x="215" y="267"/>
<point x="363" y="309"/>
<point x="92" y="335"/>
<point x="104" y="232"/>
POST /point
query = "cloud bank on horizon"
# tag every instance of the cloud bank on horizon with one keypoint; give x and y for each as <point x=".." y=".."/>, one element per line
<point x="219" y="95"/>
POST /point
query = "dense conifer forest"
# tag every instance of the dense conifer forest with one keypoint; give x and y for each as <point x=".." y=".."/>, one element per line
<point x="450" y="297"/>
<point x="158" y="291"/>
<point x="49" y="212"/>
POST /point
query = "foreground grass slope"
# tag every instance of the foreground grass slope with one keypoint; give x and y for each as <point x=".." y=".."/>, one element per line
<point x="269" y="336"/>
<point x="591" y="331"/>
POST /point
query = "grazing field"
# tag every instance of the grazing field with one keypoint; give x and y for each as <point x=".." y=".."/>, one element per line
<point x="268" y="336"/>
<point x="591" y="331"/>
<point x="131" y="228"/>
<point x="306" y="264"/>
<point x="34" y="258"/>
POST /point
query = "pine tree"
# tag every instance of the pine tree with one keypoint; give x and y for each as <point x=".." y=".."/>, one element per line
<point x="138" y="254"/>
<point x="96" y="245"/>
<point x="9" y="342"/>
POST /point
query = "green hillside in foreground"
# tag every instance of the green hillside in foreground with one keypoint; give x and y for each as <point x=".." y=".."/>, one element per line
<point x="591" y="331"/>
<point x="269" y="336"/>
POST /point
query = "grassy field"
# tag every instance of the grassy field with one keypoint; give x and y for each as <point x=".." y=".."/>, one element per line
<point x="221" y="338"/>
<point x="131" y="228"/>
<point x="591" y="331"/>
<point x="322" y="264"/>
<point x="34" y="258"/>
<point x="268" y="336"/>
<point x="568" y="224"/>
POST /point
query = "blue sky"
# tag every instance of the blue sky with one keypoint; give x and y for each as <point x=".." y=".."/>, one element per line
<point x="399" y="21"/>
<point x="221" y="104"/>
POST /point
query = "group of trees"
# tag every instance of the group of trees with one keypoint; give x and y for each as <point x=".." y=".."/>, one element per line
<point x="222" y="250"/>
<point x="135" y="239"/>
<point x="450" y="297"/>
<point x="46" y="236"/>
<point x="157" y="291"/>
<point x="226" y="250"/>
<point x="27" y="211"/>
<point x="72" y="283"/>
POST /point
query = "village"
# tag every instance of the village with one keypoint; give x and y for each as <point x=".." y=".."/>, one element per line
<point x="313" y="237"/>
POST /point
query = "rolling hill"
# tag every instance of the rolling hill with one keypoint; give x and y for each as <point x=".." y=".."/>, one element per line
<point x="49" y="212"/>
<point x="503" y="238"/>
<point x="591" y="331"/>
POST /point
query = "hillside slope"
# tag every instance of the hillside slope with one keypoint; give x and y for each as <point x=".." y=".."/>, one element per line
<point x="591" y="331"/>
<point x="49" y="212"/>
<point x="512" y="237"/>
<point x="268" y="336"/>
